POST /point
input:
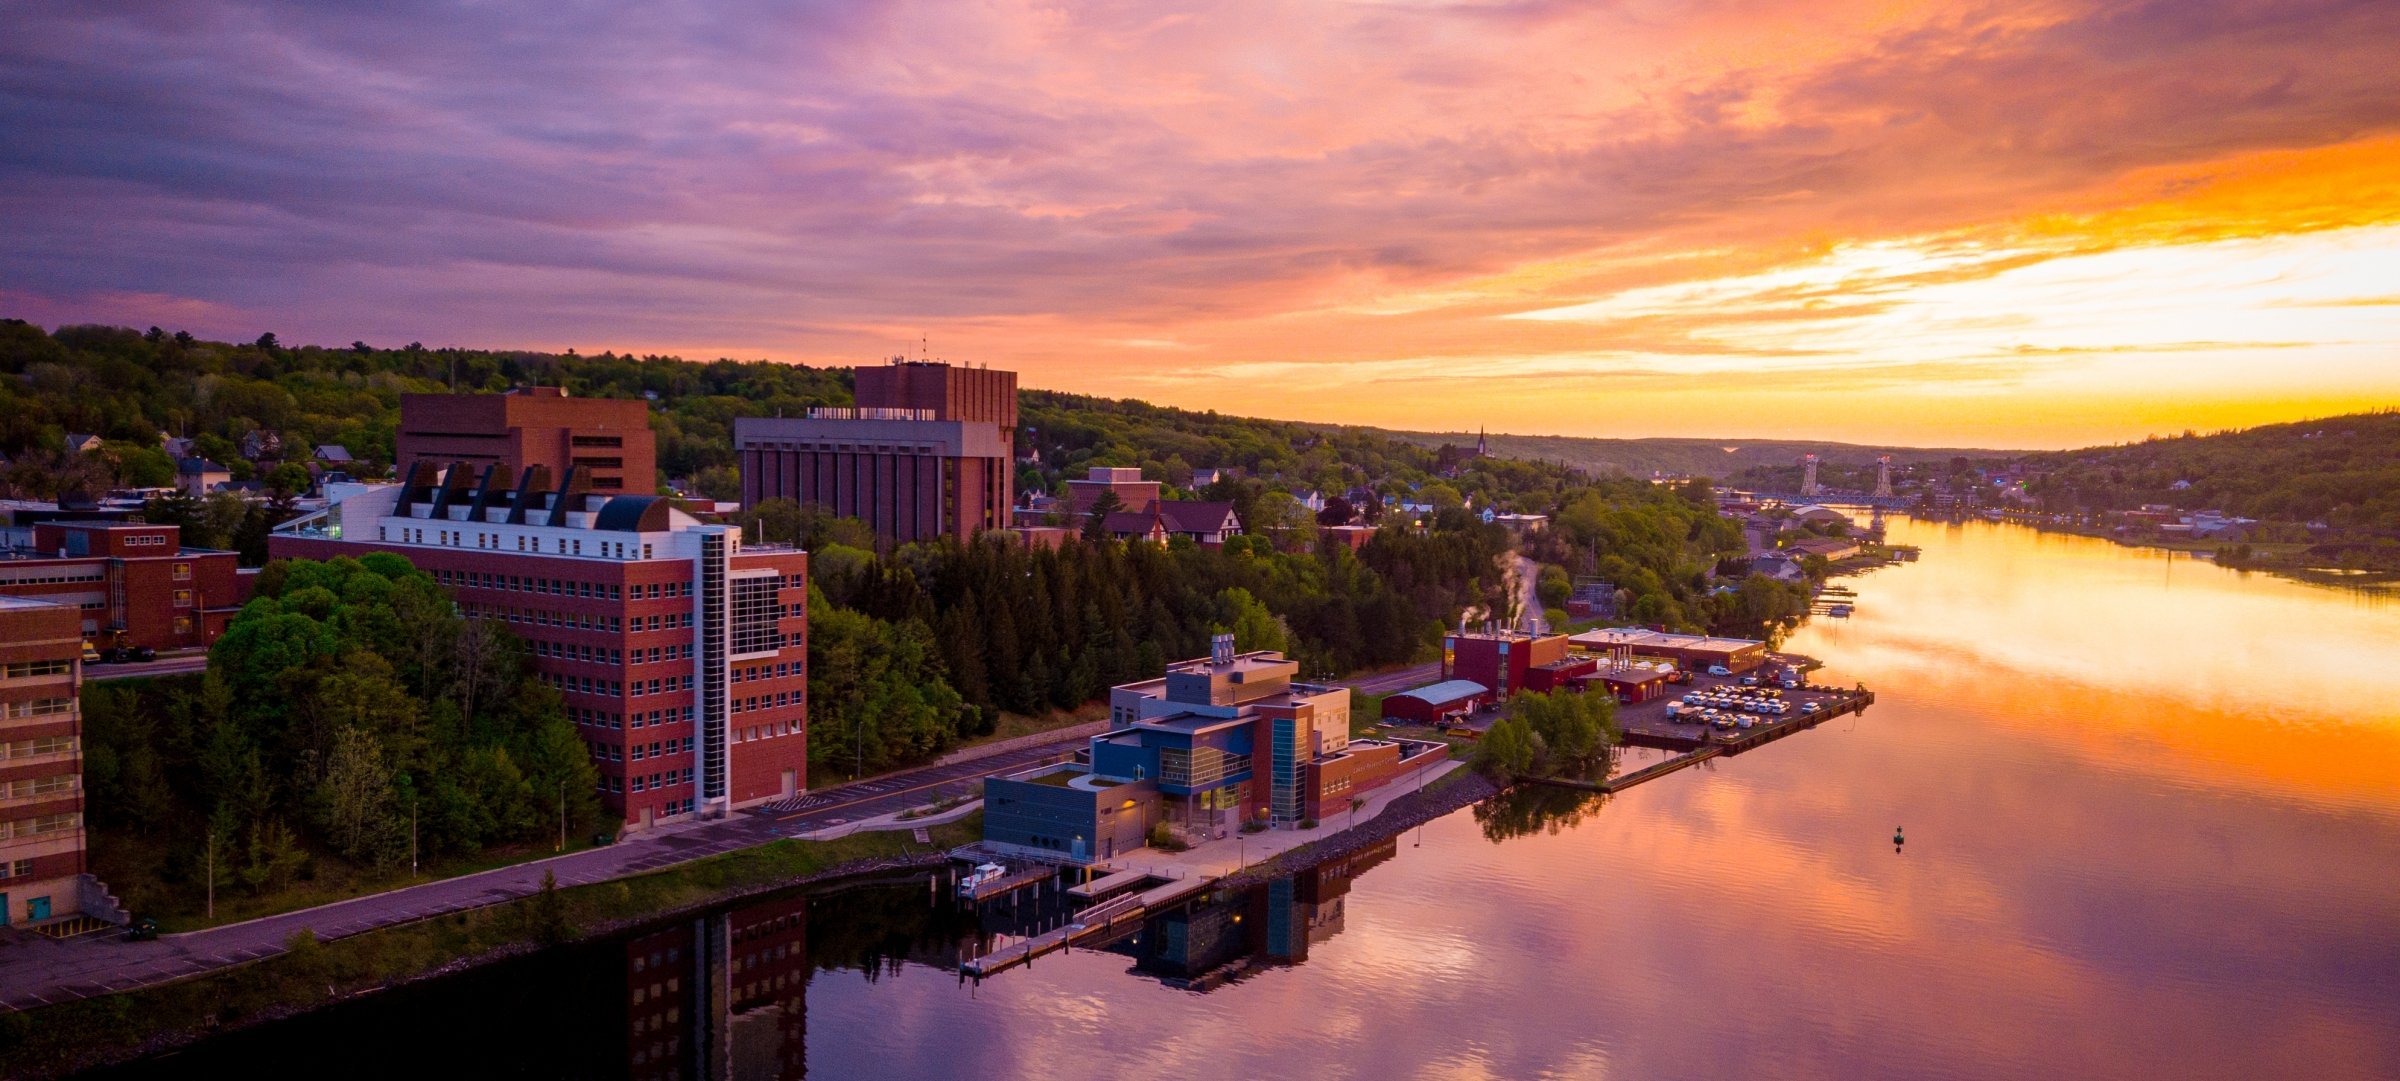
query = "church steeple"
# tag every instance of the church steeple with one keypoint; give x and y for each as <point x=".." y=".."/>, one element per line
<point x="1480" y="449"/>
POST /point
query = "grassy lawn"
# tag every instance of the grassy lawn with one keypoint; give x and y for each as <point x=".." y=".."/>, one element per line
<point x="1366" y="710"/>
<point x="136" y="868"/>
<point x="1014" y="725"/>
<point x="310" y="973"/>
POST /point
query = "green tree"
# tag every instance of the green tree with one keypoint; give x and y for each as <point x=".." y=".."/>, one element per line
<point x="1253" y="627"/>
<point x="1506" y="752"/>
<point x="355" y="799"/>
<point x="1095" y="521"/>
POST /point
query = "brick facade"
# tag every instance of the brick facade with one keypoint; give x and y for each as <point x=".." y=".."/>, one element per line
<point x="133" y="584"/>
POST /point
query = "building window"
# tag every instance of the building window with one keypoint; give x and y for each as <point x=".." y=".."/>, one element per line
<point x="755" y="611"/>
<point x="183" y="598"/>
<point x="30" y="669"/>
<point x="183" y="572"/>
<point x="183" y="624"/>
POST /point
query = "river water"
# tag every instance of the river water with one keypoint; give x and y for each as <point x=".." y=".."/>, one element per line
<point x="2152" y="812"/>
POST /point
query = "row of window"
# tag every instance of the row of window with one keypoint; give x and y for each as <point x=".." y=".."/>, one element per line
<point x="563" y="587"/>
<point x="604" y="719"/>
<point x="574" y="651"/>
<point x="145" y="540"/>
<point x="32" y="827"/>
<point x="766" y="731"/>
<point x="457" y="538"/>
<point x="27" y="788"/>
<point x="81" y="573"/>
<point x="32" y="669"/>
<point x="19" y="869"/>
<point x="41" y="707"/>
<point x="610" y="688"/>
<point x="657" y="748"/>
<point x="649" y="782"/>
<point x="778" y="700"/>
<point x="777" y="670"/>
<point x="46" y="745"/>
<point x="538" y="617"/>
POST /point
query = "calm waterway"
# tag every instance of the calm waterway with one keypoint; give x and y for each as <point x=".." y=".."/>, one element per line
<point x="2153" y="821"/>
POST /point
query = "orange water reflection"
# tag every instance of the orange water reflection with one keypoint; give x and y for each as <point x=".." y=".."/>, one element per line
<point x="2142" y="658"/>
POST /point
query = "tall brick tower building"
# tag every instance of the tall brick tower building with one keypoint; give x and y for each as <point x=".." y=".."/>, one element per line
<point x="927" y="452"/>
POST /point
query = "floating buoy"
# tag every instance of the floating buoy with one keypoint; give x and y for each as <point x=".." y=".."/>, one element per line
<point x="1897" y="838"/>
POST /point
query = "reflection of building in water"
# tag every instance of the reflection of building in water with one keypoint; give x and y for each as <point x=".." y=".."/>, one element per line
<point x="720" y="996"/>
<point x="768" y="976"/>
<point x="1208" y="943"/>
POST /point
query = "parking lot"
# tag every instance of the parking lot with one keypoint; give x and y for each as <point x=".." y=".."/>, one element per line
<point x="1648" y="722"/>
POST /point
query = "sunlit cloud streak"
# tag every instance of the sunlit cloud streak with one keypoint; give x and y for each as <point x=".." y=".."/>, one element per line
<point x="1124" y="198"/>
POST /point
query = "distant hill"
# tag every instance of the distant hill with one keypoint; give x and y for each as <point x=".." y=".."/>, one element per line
<point x="1718" y="458"/>
<point x="2344" y="471"/>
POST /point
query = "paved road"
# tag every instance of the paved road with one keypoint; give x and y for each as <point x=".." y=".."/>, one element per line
<point x="35" y="971"/>
<point x="1399" y="679"/>
<point x="165" y="665"/>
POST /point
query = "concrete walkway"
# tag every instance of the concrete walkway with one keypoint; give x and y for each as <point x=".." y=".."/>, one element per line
<point x="37" y="971"/>
<point x="1216" y="859"/>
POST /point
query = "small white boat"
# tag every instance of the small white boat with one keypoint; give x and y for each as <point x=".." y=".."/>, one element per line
<point x="983" y="872"/>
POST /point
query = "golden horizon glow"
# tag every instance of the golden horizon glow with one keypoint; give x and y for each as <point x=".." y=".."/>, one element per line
<point x="1924" y="222"/>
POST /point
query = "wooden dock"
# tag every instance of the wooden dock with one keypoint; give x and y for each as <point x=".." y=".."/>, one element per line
<point x="1100" y="923"/>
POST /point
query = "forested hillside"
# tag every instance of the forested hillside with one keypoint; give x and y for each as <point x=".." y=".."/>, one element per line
<point x="1683" y="457"/>
<point x="915" y="649"/>
<point x="2343" y="471"/>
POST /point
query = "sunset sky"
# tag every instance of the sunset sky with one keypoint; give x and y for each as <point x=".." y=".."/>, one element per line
<point x="1991" y="224"/>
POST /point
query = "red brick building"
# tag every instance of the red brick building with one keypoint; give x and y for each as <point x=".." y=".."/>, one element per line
<point x="927" y="452"/>
<point x="681" y="654"/>
<point x="41" y="762"/>
<point x="606" y="439"/>
<point x="134" y="584"/>
<point x="1503" y="660"/>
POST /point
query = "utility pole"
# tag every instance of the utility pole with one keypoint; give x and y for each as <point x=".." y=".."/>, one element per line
<point x="412" y="838"/>
<point x="212" y="872"/>
<point x="562" y="814"/>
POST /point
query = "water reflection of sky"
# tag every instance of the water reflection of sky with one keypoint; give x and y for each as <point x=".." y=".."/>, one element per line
<point x="2152" y="824"/>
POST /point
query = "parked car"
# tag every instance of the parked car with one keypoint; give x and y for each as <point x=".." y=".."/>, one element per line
<point x="1808" y="707"/>
<point x="1719" y="670"/>
<point x="141" y="653"/>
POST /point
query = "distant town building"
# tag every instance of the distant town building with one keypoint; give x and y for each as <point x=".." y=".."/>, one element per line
<point x="606" y="440"/>
<point x="1133" y="493"/>
<point x="42" y="868"/>
<point x="259" y="443"/>
<point x="1355" y="536"/>
<point x="131" y="584"/>
<point x="925" y="453"/>
<point x="680" y="653"/>
<point x="1203" y="523"/>
<point x="1832" y="549"/>
<point x="81" y="443"/>
<point x="1519" y="524"/>
<point x="199" y="476"/>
